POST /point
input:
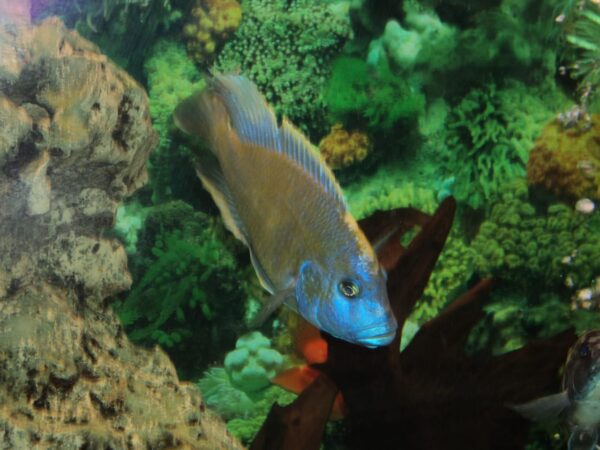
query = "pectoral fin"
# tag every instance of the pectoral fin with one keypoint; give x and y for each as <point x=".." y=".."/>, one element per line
<point x="274" y="302"/>
<point x="543" y="409"/>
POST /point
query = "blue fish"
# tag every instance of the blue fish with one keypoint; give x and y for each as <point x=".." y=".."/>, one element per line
<point x="280" y="199"/>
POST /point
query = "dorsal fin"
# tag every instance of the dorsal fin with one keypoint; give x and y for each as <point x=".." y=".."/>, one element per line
<point x="255" y="123"/>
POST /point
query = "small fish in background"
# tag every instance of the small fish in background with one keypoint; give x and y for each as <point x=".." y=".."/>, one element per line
<point x="279" y="198"/>
<point x="579" y="402"/>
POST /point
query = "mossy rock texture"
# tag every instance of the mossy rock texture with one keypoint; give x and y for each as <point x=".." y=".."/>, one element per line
<point x="74" y="144"/>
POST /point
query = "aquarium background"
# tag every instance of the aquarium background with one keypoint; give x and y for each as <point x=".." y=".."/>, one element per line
<point x="492" y="102"/>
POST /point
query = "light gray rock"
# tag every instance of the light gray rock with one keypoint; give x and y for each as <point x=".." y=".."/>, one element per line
<point x="75" y="135"/>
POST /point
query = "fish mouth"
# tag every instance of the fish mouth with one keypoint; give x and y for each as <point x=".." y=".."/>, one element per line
<point x="378" y="340"/>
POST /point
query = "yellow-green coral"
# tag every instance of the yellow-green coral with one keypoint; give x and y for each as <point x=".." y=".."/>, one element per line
<point x="341" y="148"/>
<point x="532" y="247"/>
<point x="285" y="47"/>
<point x="566" y="161"/>
<point x="213" y="21"/>
<point x="387" y="189"/>
<point x="449" y="277"/>
<point x="171" y="78"/>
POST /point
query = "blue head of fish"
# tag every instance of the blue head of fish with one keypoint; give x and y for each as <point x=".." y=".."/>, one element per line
<point x="350" y="305"/>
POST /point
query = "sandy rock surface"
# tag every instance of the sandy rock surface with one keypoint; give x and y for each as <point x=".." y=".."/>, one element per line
<point x="75" y="135"/>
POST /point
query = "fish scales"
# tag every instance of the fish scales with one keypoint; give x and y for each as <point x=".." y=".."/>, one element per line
<point x="277" y="195"/>
<point x="276" y="199"/>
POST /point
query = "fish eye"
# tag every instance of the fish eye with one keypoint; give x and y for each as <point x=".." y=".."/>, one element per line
<point x="349" y="288"/>
<point x="584" y="351"/>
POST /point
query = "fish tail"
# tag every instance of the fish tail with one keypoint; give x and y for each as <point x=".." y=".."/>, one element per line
<point x="235" y="102"/>
<point x="203" y="115"/>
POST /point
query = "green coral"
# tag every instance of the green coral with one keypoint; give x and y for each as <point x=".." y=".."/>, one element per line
<point x="537" y="248"/>
<point x="253" y="362"/>
<point x="246" y="428"/>
<point x="190" y="294"/>
<point x="517" y="38"/>
<point x="244" y="412"/>
<point x="387" y="189"/>
<point x="222" y="396"/>
<point x="286" y="47"/>
<point x="514" y="318"/>
<point x="448" y="279"/>
<point x="490" y="134"/>
<point x="172" y="76"/>
<point x="357" y="92"/>
<point x="583" y="38"/>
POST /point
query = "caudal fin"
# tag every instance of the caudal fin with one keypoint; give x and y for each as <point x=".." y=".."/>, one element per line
<point x="237" y="100"/>
<point x="202" y="114"/>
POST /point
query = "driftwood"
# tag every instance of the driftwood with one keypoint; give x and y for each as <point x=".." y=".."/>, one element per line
<point x="432" y="395"/>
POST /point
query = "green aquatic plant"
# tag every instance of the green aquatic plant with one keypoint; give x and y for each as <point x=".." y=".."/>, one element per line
<point x="189" y="292"/>
<point x="357" y="92"/>
<point x="171" y="76"/>
<point x="285" y="47"/>
<point x="245" y="428"/>
<point x="386" y="189"/>
<point x="517" y="38"/>
<point x="490" y="133"/>
<point x="513" y="318"/>
<point x="244" y="412"/>
<point x="421" y="44"/>
<point x="449" y="278"/>
<point x="583" y="36"/>
<point x="222" y="396"/>
<point x="537" y="248"/>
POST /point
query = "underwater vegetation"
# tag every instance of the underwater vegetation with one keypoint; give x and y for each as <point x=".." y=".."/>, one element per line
<point x="387" y="189"/>
<point x="418" y="47"/>
<point x="581" y="31"/>
<point x="212" y="22"/>
<point x="171" y="76"/>
<point x="341" y="148"/>
<point x="513" y="318"/>
<point x="286" y="48"/>
<point x="450" y="277"/>
<point x="566" y="160"/>
<point x="490" y="134"/>
<point x="188" y="284"/>
<point x="358" y="93"/>
<point x="537" y="248"/>
<point x="241" y="391"/>
<point x="412" y="102"/>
